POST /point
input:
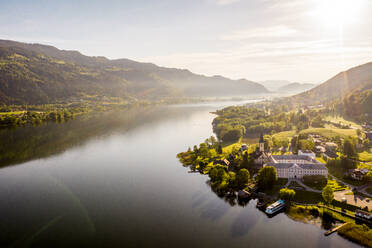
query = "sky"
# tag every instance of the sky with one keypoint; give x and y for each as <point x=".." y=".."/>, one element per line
<point x="305" y="41"/>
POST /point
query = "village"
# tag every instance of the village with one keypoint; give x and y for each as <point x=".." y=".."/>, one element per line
<point x="310" y="170"/>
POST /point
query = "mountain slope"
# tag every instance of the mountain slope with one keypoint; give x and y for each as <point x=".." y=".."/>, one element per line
<point x="336" y="87"/>
<point x="296" y="87"/>
<point x="274" y="85"/>
<point x="37" y="74"/>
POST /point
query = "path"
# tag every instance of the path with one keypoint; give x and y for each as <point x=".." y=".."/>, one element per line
<point x="361" y="189"/>
<point x="355" y="200"/>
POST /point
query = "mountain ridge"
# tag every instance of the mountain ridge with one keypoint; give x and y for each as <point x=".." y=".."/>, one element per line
<point x="38" y="74"/>
<point x="336" y="87"/>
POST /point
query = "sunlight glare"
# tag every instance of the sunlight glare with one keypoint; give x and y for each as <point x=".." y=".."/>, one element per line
<point x="335" y="13"/>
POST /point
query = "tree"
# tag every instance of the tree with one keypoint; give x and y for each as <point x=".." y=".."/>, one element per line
<point x="317" y="122"/>
<point x="349" y="149"/>
<point x="203" y="150"/>
<point x="219" y="148"/>
<point x="233" y="134"/>
<point x="266" y="177"/>
<point x="233" y="182"/>
<point x="305" y="144"/>
<point x="287" y="194"/>
<point x="327" y="194"/>
<point x="242" y="178"/>
<point x="245" y="162"/>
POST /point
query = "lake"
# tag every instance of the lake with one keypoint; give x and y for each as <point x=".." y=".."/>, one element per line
<point x="113" y="180"/>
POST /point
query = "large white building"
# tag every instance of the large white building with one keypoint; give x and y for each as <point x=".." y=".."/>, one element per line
<point x="296" y="166"/>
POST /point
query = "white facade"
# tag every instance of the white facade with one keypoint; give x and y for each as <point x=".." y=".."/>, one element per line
<point x="294" y="166"/>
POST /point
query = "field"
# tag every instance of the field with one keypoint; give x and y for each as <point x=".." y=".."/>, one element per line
<point x="339" y="119"/>
<point x="366" y="156"/>
<point x="12" y="113"/>
<point x="284" y="135"/>
<point x="307" y="197"/>
<point x="331" y="133"/>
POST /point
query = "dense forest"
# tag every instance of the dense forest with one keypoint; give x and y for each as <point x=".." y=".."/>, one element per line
<point x="39" y="74"/>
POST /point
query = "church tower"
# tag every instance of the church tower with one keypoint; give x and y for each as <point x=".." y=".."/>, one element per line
<point x="262" y="143"/>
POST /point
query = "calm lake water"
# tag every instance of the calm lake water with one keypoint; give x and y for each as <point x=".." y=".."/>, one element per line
<point x="113" y="180"/>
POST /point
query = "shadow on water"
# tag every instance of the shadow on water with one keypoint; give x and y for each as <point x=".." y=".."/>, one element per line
<point x="242" y="224"/>
<point x="22" y="144"/>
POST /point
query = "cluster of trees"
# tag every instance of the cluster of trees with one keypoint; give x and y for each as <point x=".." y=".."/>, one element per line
<point x="287" y="194"/>
<point x="266" y="177"/>
<point x="356" y="105"/>
<point x="209" y="158"/>
<point x="327" y="194"/>
<point x="272" y="142"/>
<point x="302" y="142"/>
<point x="224" y="180"/>
<point x="35" y="118"/>
<point x="237" y="121"/>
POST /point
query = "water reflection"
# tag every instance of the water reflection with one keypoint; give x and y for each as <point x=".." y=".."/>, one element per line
<point x="113" y="180"/>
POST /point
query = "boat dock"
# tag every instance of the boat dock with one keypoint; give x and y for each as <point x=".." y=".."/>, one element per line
<point x="334" y="230"/>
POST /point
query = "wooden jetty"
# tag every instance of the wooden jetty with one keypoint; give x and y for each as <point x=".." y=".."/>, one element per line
<point x="334" y="230"/>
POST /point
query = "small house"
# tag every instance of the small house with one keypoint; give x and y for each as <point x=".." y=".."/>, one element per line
<point x="244" y="147"/>
<point x="358" y="174"/>
<point x="320" y="149"/>
<point x="330" y="146"/>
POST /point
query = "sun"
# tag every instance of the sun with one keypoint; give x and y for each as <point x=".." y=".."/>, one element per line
<point x="338" y="12"/>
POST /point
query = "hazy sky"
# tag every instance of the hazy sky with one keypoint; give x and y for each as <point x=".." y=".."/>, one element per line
<point x="297" y="40"/>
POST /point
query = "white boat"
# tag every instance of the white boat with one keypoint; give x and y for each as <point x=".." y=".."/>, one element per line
<point x="275" y="207"/>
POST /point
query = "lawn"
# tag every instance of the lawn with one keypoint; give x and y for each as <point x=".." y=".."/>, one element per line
<point x="336" y="186"/>
<point x="366" y="156"/>
<point x="339" y="119"/>
<point x="12" y="113"/>
<point x="321" y="160"/>
<point x="307" y="197"/>
<point x="330" y="133"/>
<point x="320" y="184"/>
<point x="284" y="135"/>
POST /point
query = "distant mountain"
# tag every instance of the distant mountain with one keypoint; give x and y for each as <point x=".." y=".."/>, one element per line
<point x="274" y="85"/>
<point x="38" y="74"/>
<point x="296" y="87"/>
<point x="355" y="79"/>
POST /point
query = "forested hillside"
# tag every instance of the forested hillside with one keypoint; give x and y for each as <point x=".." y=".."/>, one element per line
<point x="339" y="86"/>
<point x="39" y="74"/>
<point x="357" y="104"/>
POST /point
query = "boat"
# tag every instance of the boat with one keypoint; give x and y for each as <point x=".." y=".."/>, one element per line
<point x="275" y="207"/>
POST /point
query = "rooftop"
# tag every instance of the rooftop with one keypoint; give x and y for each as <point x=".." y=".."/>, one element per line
<point x="313" y="166"/>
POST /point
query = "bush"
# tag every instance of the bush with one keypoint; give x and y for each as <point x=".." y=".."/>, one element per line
<point x="358" y="233"/>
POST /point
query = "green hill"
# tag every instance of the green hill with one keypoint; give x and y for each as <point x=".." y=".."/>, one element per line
<point x="337" y="87"/>
<point x="38" y="74"/>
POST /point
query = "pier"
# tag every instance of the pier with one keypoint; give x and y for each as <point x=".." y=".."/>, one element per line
<point x="333" y="230"/>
